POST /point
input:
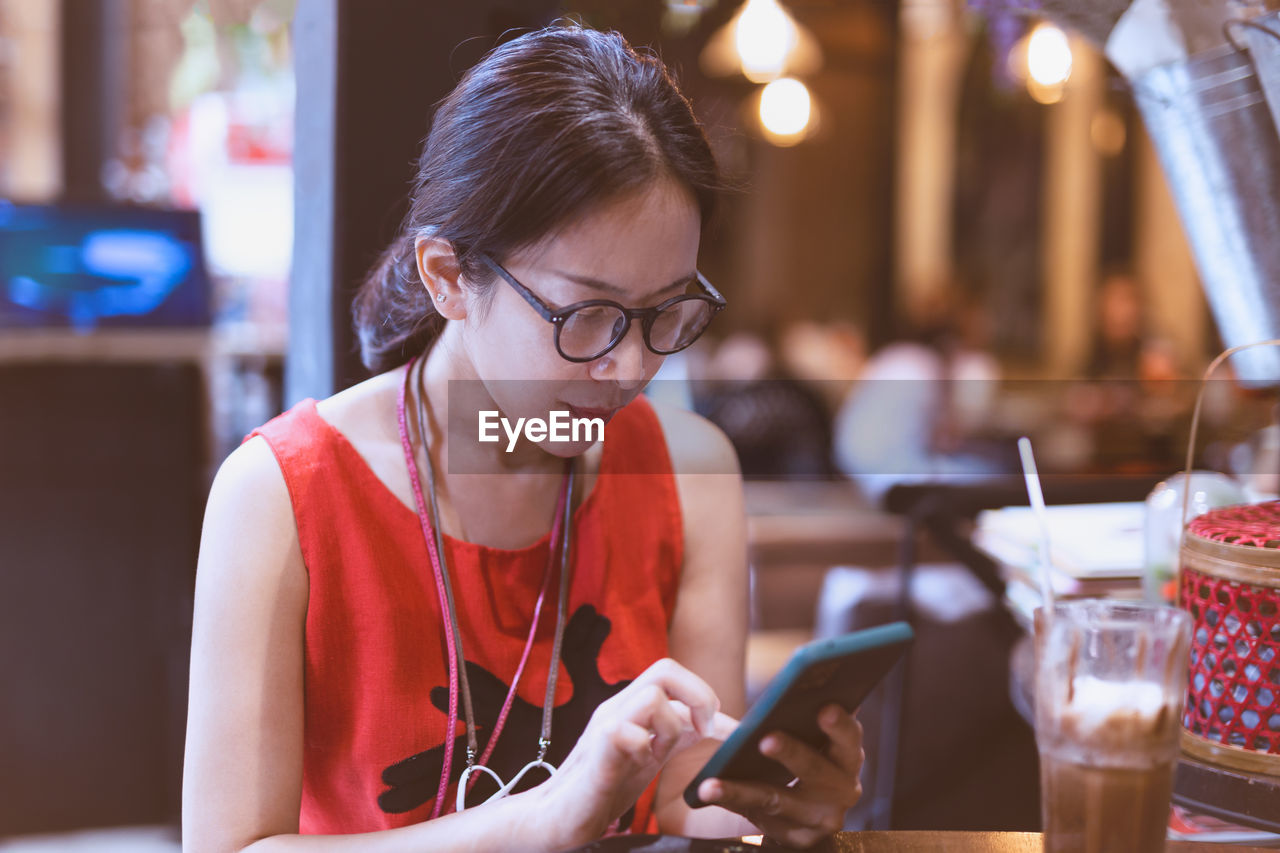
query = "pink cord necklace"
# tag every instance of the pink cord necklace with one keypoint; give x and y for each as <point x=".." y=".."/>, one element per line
<point x="561" y="536"/>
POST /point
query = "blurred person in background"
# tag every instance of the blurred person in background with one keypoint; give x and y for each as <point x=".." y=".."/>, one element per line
<point x="918" y="403"/>
<point x="828" y="356"/>
<point x="1133" y="407"/>
<point x="369" y="595"/>
<point x="779" y="424"/>
<point x="1119" y="332"/>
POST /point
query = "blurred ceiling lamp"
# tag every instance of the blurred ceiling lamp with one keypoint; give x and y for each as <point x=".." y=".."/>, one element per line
<point x="1048" y="63"/>
<point x="763" y="42"/>
<point x="681" y="16"/>
<point x="1049" y="55"/>
<point x="787" y="112"/>
<point x="1042" y="59"/>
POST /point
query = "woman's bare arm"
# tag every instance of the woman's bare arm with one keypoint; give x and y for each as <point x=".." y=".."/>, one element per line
<point x="709" y="628"/>
<point x="708" y="635"/>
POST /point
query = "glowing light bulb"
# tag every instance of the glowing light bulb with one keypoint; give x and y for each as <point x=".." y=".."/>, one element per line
<point x="762" y="42"/>
<point x="1048" y="56"/>
<point x="764" y="37"/>
<point x="785" y="110"/>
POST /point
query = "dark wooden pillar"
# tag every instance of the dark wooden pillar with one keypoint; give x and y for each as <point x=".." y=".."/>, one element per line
<point x="369" y="73"/>
<point x="94" y="65"/>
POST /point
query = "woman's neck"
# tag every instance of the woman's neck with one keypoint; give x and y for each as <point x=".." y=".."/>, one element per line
<point x="455" y="396"/>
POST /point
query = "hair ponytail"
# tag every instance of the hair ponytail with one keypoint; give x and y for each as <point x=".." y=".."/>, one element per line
<point x="395" y="318"/>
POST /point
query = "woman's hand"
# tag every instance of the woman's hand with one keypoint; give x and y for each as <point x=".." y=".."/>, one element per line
<point x="625" y="744"/>
<point x="813" y="806"/>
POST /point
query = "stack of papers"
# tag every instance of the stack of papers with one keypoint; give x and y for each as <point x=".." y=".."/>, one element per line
<point x="1096" y="550"/>
<point x="1187" y="826"/>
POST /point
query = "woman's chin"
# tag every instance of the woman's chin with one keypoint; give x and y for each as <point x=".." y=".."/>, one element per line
<point x="567" y="449"/>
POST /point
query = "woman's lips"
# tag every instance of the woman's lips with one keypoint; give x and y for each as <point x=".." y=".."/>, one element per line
<point x="582" y="412"/>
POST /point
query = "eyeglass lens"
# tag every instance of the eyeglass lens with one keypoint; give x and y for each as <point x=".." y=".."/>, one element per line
<point x="590" y="331"/>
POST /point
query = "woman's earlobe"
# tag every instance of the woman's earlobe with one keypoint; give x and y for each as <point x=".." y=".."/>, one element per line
<point x="441" y="275"/>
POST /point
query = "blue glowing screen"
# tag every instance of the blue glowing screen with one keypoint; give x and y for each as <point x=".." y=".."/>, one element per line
<point x="107" y="266"/>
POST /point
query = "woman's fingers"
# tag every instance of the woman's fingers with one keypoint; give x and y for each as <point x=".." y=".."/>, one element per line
<point x="804" y="762"/>
<point x="670" y="725"/>
<point x="845" y="733"/>
<point x="632" y="740"/>
<point x="630" y="736"/>
<point x="814" y="806"/>
<point x="683" y="685"/>
<point x="666" y="722"/>
<point x="768" y="805"/>
<point x="722" y="725"/>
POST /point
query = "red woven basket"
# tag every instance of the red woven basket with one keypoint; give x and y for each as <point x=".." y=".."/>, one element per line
<point x="1230" y="583"/>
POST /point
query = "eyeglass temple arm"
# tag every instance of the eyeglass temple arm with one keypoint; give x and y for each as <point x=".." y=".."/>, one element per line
<point x="550" y="314"/>
<point x="702" y="280"/>
<point x="547" y="312"/>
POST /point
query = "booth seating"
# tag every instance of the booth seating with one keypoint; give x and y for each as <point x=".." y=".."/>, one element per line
<point x="102" y="483"/>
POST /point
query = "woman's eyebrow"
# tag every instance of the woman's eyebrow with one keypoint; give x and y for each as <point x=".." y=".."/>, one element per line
<point x="597" y="284"/>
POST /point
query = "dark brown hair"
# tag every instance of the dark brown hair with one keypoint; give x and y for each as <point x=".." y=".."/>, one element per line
<point x="544" y="127"/>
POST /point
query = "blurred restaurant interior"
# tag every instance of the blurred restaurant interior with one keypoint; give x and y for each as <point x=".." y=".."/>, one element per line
<point x="950" y="224"/>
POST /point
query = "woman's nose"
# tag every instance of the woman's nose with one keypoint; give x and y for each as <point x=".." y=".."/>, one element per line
<point x="624" y="364"/>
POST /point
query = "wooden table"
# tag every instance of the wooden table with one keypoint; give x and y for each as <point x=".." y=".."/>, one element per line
<point x="976" y="842"/>
<point x="797" y="530"/>
<point x="876" y="842"/>
<point x="821" y="522"/>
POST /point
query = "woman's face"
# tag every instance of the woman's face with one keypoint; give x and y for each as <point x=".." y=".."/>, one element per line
<point x="637" y="251"/>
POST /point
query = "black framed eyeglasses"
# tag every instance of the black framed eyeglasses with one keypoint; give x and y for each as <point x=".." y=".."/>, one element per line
<point x="584" y="331"/>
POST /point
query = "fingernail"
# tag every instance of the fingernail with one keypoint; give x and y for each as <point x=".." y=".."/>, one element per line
<point x="769" y="745"/>
<point x="830" y="717"/>
<point x="710" y="791"/>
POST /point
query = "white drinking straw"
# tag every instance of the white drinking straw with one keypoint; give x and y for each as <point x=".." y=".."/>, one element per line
<point x="1042" y="516"/>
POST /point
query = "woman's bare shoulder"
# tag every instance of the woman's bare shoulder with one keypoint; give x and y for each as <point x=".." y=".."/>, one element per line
<point x="366" y="409"/>
<point x="695" y="444"/>
<point x="711" y="506"/>
<point x="250" y="473"/>
<point x="250" y="487"/>
<point x="365" y="415"/>
<point x="249" y="508"/>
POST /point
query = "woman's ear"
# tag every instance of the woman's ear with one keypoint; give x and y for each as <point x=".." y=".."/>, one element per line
<point x="438" y="268"/>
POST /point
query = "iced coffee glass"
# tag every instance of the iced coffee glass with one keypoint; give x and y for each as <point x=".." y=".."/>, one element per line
<point x="1110" y="679"/>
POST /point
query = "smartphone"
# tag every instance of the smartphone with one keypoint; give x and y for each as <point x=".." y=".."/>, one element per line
<point x="840" y="671"/>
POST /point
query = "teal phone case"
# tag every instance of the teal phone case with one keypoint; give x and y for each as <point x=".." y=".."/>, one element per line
<point x="841" y="671"/>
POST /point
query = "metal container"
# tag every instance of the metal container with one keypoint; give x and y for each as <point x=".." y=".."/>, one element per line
<point x="1219" y="146"/>
<point x="1261" y="36"/>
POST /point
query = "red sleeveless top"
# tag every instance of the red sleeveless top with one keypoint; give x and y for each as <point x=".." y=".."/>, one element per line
<point x="376" y="669"/>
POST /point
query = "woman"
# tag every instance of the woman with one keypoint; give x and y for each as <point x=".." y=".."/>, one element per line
<point x="379" y="616"/>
